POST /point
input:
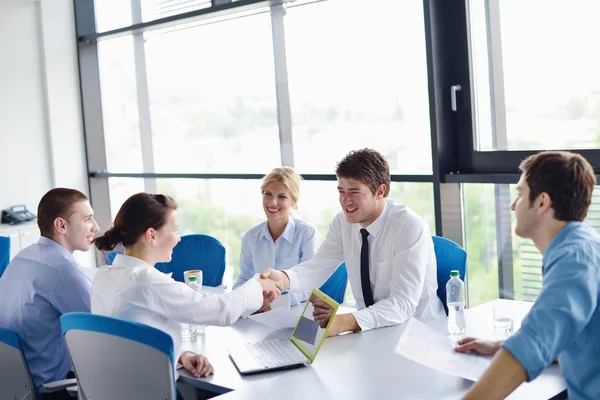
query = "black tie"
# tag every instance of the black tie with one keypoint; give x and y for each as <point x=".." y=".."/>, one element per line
<point x="364" y="269"/>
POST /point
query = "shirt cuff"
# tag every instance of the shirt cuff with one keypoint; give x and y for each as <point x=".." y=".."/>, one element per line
<point x="526" y="351"/>
<point x="294" y="286"/>
<point x="364" y="319"/>
<point x="254" y="296"/>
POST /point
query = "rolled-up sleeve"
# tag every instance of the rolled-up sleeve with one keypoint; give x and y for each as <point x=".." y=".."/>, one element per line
<point x="561" y="312"/>
<point x="409" y="267"/>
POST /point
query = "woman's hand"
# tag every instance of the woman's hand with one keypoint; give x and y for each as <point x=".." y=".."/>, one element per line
<point x="197" y="364"/>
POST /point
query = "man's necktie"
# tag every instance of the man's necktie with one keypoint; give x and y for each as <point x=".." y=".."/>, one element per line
<point x="364" y="269"/>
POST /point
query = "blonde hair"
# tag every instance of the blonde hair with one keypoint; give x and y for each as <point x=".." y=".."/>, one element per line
<point x="286" y="176"/>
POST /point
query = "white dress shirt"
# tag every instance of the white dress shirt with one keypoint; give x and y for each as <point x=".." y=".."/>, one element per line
<point x="402" y="267"/>
<point x="298" y="242"/>
<point x="133" y="290"/>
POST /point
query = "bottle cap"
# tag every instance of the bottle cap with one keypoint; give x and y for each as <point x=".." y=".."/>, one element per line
<point x="193" y="278"/>
<point x="454" y="273"/>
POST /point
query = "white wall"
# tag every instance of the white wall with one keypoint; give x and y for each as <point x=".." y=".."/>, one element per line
<point x="41" y="130"/>
<point x="25" y="168"/>
<point x="67" y="147"/>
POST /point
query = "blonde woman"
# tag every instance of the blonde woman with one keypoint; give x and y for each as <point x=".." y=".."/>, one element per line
<point x="281" y="241"/>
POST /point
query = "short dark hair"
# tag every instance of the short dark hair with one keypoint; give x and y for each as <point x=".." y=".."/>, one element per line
<point x="58" y="202"/>
<point x="567" y="177"/>
<point x="139" y="212"/>
<point x="367" y="166"/>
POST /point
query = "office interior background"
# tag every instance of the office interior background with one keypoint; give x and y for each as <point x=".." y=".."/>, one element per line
<point x="200" y="100"/>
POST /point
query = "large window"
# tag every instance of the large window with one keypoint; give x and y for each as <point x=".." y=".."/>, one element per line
<point x="360" y="84"/>
<point x="212" y="97"/>
<point x="199" y="101"/>
<point x="120" y="105"/>
<point x="535" y="74"/>
<point x="112" y="14"/>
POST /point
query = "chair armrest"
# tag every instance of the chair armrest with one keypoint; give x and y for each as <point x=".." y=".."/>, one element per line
<point x="59" y="385"/>
<point x="73" y="391"/>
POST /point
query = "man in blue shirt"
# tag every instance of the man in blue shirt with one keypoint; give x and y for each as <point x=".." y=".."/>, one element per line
<point x="44" y="281"/>
<point x="553" y="197"/>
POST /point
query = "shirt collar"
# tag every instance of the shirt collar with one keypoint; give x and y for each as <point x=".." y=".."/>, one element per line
<point x="375" y="227"/>
<point x="44" y="241"/>
<point x="288" y="232"/>
<point x="121" y="260"/>
<point x="560" y="237"/>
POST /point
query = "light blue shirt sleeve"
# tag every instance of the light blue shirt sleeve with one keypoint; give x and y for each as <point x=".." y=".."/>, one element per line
<point x="310" y="247"/>
<point x="72" y="291"/>
<point x="563" y="309"/>
<point x="246" y="264"/>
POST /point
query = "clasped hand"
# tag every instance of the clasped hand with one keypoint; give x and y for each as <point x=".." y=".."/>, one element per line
<point x="322" y="311"/>
<point x="271" y="292"/>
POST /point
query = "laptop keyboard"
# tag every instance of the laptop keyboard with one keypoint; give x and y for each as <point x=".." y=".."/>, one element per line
<point x="271" y="353"/>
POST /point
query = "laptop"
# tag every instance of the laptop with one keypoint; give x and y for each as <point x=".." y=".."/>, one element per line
<point x="300" y="349"/>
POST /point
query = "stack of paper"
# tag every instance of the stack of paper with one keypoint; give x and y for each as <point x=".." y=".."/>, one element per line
<point x="422" y="344"/>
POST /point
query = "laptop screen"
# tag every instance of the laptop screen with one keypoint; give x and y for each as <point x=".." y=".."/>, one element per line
<point x="313" y="324"/>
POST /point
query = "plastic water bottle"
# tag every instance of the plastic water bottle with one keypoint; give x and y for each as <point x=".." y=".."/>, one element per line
<point x="455" y="299"/>
<point x="189" y="332"/>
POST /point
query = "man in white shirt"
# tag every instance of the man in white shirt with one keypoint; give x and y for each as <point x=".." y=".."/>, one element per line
<point x="387" y="248"/>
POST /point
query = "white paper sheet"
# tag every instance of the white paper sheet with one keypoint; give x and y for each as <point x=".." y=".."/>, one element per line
<point x="277" y="319"/>
<point x="422" y="344"/>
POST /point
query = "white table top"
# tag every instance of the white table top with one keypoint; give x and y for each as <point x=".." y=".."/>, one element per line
<point x="352" y="366"/>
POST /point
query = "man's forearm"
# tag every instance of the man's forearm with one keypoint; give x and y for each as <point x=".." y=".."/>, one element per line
<point x="343" y="323"/>
<point x="501" y="378"/>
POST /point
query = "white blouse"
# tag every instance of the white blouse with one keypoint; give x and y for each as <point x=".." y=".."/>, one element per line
<point x="134" y="290"/>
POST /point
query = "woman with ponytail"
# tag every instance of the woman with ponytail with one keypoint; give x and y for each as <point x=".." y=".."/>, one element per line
<point x="146" y="226"/>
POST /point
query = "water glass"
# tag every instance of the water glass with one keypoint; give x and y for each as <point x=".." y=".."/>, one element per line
<point x="503" y="319"/>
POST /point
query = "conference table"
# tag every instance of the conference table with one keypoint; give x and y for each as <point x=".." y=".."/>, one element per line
<point x="354" y="365"/>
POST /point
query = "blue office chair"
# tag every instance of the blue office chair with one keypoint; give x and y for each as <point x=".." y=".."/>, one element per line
<point x="4" y="253"/>
<point x="449" y="256"/>
<point x="197" y="251"/>
<point x="109" y="256"/>
<point x="15" y="378"/>
<point x="117" y="359"/>
<point x="335" y="287"/>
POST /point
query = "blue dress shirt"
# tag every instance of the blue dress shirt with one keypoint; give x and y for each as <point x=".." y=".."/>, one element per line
<point x="298" y="242"/>
<point x="565" y="319"/>
<point x="40" y="284"/>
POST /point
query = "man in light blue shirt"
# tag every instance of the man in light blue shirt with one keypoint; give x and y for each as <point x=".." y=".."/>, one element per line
<point x="553" y="197"/>
<point x="44" y="281"/>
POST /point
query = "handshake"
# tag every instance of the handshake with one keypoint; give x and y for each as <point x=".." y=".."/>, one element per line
<point x="273" y="282"/>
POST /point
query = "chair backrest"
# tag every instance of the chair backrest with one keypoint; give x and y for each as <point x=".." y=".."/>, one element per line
<point x="4" y="253"/>
<point x="449" y="256"/>
<point x="109" y="256"/>
<point x="335" y="286"/>
<point x="117" y="359"/>
<point x="197" y="251"/>
<point x="15" y="379"/>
